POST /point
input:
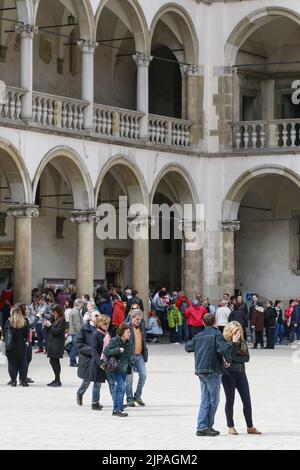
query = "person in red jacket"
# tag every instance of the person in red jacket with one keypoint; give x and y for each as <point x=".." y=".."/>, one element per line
<point x="194" y="317"/>
<point x="6" y="296"/>
<point x="118" y="317"/>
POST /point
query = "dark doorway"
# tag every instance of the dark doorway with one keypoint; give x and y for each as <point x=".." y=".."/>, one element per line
<point x="165" y="84"/>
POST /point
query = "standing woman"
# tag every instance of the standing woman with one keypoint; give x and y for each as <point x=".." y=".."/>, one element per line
<point x="56" y="342"/>
<point x="120" y="347"/>
<point x="16" y="334"/>
<point x="234" y="378"/>
<point x="100" y="339"/>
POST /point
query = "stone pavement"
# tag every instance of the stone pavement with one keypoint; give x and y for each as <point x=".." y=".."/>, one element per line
<point x="39" y="417"/>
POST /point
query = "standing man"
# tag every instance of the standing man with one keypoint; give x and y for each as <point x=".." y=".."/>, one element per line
<point x="140" y="357"/>
<point x="75" y="325"/>
<point x="211" y="349"/>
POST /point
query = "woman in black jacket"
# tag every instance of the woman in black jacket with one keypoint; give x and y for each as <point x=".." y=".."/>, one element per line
<point x="240" y="315"/>
<point x="56" y="342"/>
<point x="121" y="348"/>
<point x="15" y="336"/>
<point x="270" y="324"/>
<point x="234" y="378"/>
<point x="100" y="337"/>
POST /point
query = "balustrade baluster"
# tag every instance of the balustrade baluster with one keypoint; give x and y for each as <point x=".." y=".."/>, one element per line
<point x="293" y="134"/>
<point x="284" y="135"/>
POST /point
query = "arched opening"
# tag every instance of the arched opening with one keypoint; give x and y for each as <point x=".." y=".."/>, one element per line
<point x="264" y="47"/>
<point x="61" y="186"/>
<point x="173" y="44"/>
<point x="9" y="45"/>
<point x="57" y="57"/>
<point x="266" y="248"/>
<point x="119" y="186"/>
<point x="165" y="84"/>
<point x="168" y="258"/>
<point x="121" y="31"/>
<point x="14" y="191"/>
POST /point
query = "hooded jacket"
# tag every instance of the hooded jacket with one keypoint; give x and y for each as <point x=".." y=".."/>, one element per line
<point x="194" y="315"/>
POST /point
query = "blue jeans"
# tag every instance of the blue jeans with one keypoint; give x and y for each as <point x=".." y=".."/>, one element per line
<point x="74" y="351"/>
<point x="279" y="332"/>
<point x="96" y="390"/>
<point x="139" y="366"/>
<point x="210" y="398"/>
<point x="118" y="391"/>
<point x="295" y="333"/>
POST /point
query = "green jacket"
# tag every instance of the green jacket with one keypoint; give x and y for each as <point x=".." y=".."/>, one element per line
<point x="123" y="359"/>
<point x="174" y="317"/>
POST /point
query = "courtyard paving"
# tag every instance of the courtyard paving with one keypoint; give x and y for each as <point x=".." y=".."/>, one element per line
<point x="40" y="417"/>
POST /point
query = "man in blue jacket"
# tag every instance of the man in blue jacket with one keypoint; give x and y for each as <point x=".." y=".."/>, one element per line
<point x="295" y="323"/>
<point x="211" y="350"/>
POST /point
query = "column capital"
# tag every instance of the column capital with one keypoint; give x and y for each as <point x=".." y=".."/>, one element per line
<point x="26" y="30"/>
<point x="230" y="225"/>
<point x="84" y="217"/>
<point x="230" y="69"/>
<point x="142" y="59"/>
<point x="25" y="211"/>
<point x="143" y="220"/>
<point x="192" y="70"/>
<point x="87" y="47"/>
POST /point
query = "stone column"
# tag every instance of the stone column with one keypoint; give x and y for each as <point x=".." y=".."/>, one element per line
<point x="224" y="106"/>
<point x="3" y="216"/>
<point x="195" y="97"/>
<point x="85" y="251"/>
<point x="140" y="265"/>
<point x="143" y="62"/>
<point x="26" y="67"/>
<point x="87" y="51"/>
<point x="23" y="256"/>
<point x="268" y="99"/>
<point x="228" y="271"/>
<point x="192" y="262"/>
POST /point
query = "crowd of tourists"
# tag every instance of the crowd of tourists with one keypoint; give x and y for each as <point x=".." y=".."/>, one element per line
<point x="106" y="339"/>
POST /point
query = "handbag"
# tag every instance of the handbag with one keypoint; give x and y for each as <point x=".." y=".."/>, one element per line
<point x="110" y="365"/>
<point x="8" y="339"/>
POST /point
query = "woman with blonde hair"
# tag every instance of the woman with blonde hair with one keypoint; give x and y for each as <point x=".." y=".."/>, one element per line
<point x="234" y="378"/>
<point x="16" y="334"/>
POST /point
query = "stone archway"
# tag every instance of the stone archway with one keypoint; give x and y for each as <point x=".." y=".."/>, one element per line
<point x="63" y="188"/>
<point x="15" y="194"/>
<point x="176" y="79"/>
<point x="123" y="255"/>
<point x="260" y="233"/>
<point x="181" y="259"/>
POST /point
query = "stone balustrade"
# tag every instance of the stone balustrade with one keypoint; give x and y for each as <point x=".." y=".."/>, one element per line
<point x="10" y="107"/>
<point x="169" y="131"/>
<point x="55" y="111"/>
<point x="116" y="122"/>
<point x="276" y="134"/>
